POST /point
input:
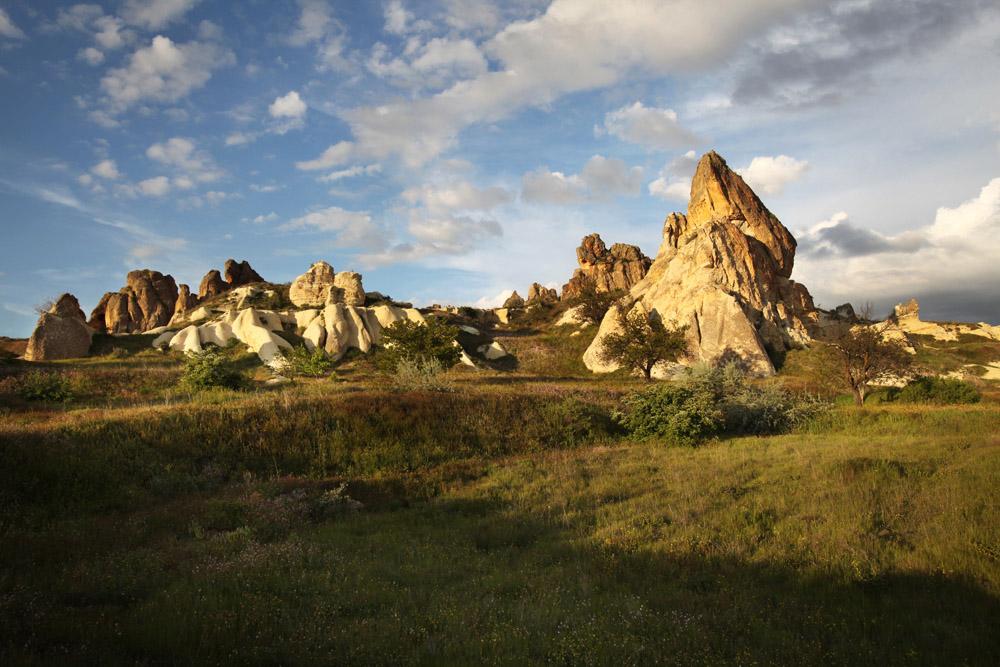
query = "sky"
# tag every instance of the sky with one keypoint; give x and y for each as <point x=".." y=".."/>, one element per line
<point x="451" y="151"/>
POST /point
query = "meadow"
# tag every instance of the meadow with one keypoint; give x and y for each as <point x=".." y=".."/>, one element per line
<point x="338" y="520"/>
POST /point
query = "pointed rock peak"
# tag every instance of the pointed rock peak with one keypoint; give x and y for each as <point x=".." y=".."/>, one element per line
<point x="720" y="194"/>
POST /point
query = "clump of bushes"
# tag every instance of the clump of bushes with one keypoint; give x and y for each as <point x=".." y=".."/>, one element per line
<point x="944" y="391"/>
<point x="420" y="373"/>
<point x="42" y="386"/>
<point x="300" y="361"/>
<point x="710" y="402"/>
<point x="408" y="340"/>
<point x="210" y="369"/>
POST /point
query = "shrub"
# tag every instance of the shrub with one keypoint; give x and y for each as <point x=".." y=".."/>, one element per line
<point x="210" y="369"/>
<point x="572" y="421"/>
<point x="408" y="340"/>
<point x="710" y="401"/>
<point x="42" y="386"/>
<point x="420" y="373"/>
<point x="946" y="391"/>
<point x="300" y="361"/>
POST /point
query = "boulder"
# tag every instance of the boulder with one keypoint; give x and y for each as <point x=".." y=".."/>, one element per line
<point x="619" y="268"/>
<point x="211" y="285"/>
<point x="514" y="301"/>
<point x="541" y="294"/>
<point x="351" y="292"/>
<point x="61" y="332"/>
<point x="239" y="274"/>
<point x="723" y="272"/>
<point x="312" y="287"/>
<point x="185" y="300"/>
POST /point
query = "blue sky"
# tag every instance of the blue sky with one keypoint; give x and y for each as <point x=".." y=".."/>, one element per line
<point x="453" y="150"/>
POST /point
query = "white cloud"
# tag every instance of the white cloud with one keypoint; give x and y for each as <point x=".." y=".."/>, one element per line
<point x="103" y="118"/>
<point x="317" y="25"/>
<point x="85" y="179"/>
<point x="162" y="72"/>
<point x="8" y="29"/>
<point x="263" y="219"/>
<point x="183" y="183"/>
<point x="336" y="155"/>
<point x="350" y="228"/>
<point x="433" y="65"/>
<point x="147" y="251"/>
<point x="399" y="21"/>
<point x="770" y="175"/>
<point x="351" y="172"/>
<point x="208" y="31"/>
<point x="575" y="45"/>
<point x="471" y="14"/>
<point x="154" y="187"/>
<point x="488" y="302"/>
<point x="239" y="139"/>
<point x="265" y="188"/>
<point x="599" y="179"/>
<point x="155" y="14"/>
<point x="90" y="55"/>
<point x="290" y="105"/>
<point x="111" y="33"/>
<point x="106" y="169"/>
<point x="651" y="127"/>
<point x="439" y="200"/>
<point x="674" y="183"/>
<point x="182" y="154"/>
<point x="215" y="196"/>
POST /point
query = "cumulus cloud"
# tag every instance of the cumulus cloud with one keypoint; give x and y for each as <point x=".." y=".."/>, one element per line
<point x="949" y="263"/>
<point x="599" y="179"/>
<point x="349" y="228"/>
<point x="8" y="29"/>
<point x="90" y="55"/>
<point x="162" y="72"/>
<point x="435" y="64"/>
<point x="575" y="45"/>
<point x="182" y="154"/>
<point x="650" y="127"/>
<point x="496" y="301"/>
<point x="674" y="182"/>
<point x="106" y="169"/>
<point x="263" y="219"/>
<point x="356" y="170"/>
<point x="154" y="187"/>
<point x="770" y="175"/>
<point x="316" y="25"/>
<point x="288" y="106"/>
<point x="155" y="14"/>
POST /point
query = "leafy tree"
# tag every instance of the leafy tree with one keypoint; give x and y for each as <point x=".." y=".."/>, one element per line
<point x="593" y="305"/>
<point x="404" y="339"/>
<point x="867" y="355"/>
<point x="641" y="342"/>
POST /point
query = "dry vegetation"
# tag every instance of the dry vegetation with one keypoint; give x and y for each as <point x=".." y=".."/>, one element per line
<point x="509" y="520"/>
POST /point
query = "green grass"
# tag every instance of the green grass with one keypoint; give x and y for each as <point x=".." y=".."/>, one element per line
<point x="506" y="522"/>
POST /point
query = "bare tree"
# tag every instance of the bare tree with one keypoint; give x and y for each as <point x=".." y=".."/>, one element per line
<point x="867" y="355"/>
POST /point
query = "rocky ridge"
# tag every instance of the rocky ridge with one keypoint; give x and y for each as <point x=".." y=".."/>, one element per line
<point x="619" y="268"/>
<point x="723" y="270"/>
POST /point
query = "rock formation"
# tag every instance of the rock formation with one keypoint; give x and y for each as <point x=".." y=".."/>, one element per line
<point x="147" y="301"/>
<point x="239" y="274"/>
<point x="186" y="301"/>
<point x="211" y="285"/>
<point x="541" y="294"/>
<point x="514" y="301"/>
<point x="348" y="289"/>
<point x="903" y="309"/>
<point x="607" y="270"/>
<point x="723" y="271"/>
<point x="61" y="332"/>
<point x="321" y="285"/>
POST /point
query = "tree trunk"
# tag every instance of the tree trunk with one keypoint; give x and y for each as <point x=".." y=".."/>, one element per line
<point x="859" y="396"/>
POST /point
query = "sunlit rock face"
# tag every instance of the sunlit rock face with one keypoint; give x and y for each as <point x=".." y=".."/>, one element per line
<point x="723" y="271"/>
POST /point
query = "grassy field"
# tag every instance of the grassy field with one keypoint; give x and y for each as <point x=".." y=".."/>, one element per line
<point x="336" y="521"/>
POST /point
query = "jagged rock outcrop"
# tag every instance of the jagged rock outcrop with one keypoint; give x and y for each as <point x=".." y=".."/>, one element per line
<point x="723" y="271"/>
<point x="61" y="332"/>
<point x="514" y="301"/>
<point x="619" y="268"/>
<point x="541" y="294"/>
<point x="240" y="274"/>
<point x="147" y="301"/>
<point x="904" y="309"/>
<point x="312" y="287"/>
<point x="186" y="302"/>
<point x="212" y="285"/>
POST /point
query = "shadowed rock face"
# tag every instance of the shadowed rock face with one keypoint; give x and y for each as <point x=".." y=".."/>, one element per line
<point x="723" y="270"/>
<point x="514" y="301"/>
<point x="148" y="300"/>
<point x="240" y="274"/>
<point x="61" y="333"/>
<point x="211" y="285"/>
<point x="619" y="268"/>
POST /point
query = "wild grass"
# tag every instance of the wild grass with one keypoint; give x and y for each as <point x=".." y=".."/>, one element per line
<point x="508" y="521"/>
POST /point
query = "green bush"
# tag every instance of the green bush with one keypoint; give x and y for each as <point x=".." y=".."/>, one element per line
<point x="42" y="386"/>
<point x="210" y="369"/>
<point x="711" y="401"/>
<point x="572" y="421"/>
<point x="945" y="391"/>
<point x="421" y="373"/>
<point x="408" y="340"/>
<point x="300" y="361"/>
